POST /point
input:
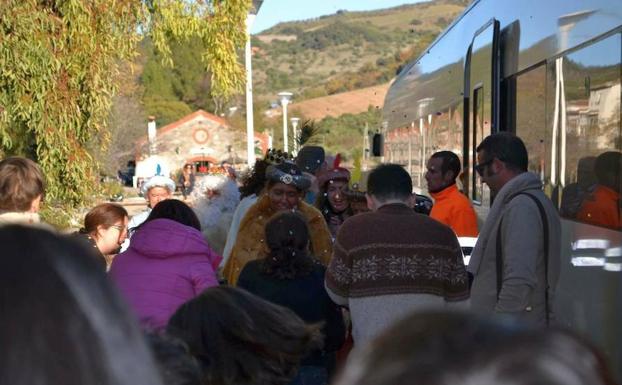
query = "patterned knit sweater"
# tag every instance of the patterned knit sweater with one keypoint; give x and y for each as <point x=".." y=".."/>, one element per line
<point x="390" y="262"/>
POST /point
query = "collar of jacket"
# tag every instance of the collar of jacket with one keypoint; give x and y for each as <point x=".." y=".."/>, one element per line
<point x="24" y="217"/>
<point x="445" y="193"/>
<point x="395" y="208"/>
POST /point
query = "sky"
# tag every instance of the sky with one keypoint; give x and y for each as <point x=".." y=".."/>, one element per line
<point x="273" y="12"/>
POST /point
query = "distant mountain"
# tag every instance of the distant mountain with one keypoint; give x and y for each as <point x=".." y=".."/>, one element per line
<point x="338" y="66"/>
<point x="347" y="50"/>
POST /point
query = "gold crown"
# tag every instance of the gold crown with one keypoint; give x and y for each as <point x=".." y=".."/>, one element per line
<point x="274" y="156"/>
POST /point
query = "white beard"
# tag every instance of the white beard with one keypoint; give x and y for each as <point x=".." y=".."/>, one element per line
<point x="211" y="211"/>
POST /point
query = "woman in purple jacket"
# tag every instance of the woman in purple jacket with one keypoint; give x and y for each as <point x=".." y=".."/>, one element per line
<point x="168" y="263"/>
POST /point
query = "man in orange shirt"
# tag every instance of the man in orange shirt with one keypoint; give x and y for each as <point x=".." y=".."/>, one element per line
<point x="451" y="207"/>
<point x="602" y="206"/>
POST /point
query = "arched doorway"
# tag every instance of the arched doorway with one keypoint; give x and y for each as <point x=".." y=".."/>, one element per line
<point x="202" y="164"/>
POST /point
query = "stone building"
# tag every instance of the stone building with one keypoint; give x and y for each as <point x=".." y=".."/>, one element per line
<point x="201" y="139"/>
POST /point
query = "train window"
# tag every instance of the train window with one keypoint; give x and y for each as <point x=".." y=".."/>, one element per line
<point x="531" y="119"/>
<point x="589" y="131"/>
<point x="477" y="137"/>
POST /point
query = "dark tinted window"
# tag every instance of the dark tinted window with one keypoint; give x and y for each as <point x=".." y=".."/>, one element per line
<point x="589" y="129"/>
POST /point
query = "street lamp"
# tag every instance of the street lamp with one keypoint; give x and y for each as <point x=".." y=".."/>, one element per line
<point x="250" y="130"/>
<point x="285" y="98"/>
<point x="296" y="144"/>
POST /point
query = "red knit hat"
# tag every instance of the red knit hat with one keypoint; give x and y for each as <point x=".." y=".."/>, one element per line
<point x="333" y="173"/>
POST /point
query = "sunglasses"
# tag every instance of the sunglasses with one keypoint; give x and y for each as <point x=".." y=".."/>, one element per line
<point x="479" y="168"/>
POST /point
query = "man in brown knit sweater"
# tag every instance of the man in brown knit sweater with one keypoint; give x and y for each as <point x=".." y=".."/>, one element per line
<point x="391" y="261"/>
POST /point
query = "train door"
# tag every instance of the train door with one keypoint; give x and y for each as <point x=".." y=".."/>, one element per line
<point x="482" y="115"/>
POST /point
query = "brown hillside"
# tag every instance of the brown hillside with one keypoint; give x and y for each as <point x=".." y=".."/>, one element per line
<point x="352" y="102"/>
<point x="271" y="38"/>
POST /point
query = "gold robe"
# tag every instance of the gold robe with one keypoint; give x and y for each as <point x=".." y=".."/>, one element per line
<point x="251" y="242"/>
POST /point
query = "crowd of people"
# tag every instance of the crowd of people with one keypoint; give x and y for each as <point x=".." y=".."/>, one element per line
<point x="285" y="277"/>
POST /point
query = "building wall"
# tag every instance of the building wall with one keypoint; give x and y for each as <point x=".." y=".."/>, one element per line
<point x="199" y="136"/>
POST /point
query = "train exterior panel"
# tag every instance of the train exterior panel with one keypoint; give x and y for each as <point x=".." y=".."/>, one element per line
<point x="550" y="72"/>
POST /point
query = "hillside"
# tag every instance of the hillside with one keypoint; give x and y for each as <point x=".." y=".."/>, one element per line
<point x="347" y="50"/>
<point x="338" y="67"/>
<point x="352" y="102"/>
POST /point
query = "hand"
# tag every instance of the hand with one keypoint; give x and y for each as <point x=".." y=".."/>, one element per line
<point x="335" y="220"/>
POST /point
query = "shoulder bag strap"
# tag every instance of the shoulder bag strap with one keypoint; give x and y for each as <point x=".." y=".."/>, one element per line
<point x="499" y="258"/>
<point x="499" y="251"/>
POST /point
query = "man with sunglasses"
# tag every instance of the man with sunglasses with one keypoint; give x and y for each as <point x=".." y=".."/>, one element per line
<point x="515" y="262"/>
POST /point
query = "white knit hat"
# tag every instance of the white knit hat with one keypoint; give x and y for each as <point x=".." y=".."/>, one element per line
<point x="158" y="181"/>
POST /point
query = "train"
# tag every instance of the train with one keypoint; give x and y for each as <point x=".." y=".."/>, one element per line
<point x="550" y="72"/>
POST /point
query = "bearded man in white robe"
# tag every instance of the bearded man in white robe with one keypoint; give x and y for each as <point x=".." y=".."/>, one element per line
<point x="215" y="198"/>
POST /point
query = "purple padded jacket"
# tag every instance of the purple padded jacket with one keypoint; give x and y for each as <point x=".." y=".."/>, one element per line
<point x="166" y="264"/>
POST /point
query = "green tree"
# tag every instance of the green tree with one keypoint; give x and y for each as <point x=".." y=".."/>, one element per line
<point x="344" y="134"/>
<point x="59" y="61"/>
<point x="186" y="84"/>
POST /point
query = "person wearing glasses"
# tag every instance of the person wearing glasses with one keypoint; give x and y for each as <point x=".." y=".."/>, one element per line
<point x="451" y="207"/>
<point x="105" y="229"/>
<point x="168" y="263"/>
<point x="154" y="190"/>
<point x="515" y="262"/>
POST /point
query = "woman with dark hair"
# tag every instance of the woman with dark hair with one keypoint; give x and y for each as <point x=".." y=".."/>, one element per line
<point x="332" y="200"/>
<point x="447" y="348"/>
<point x="255" y="180"/>
<point x="62" y="322"/>
<point x="105" y="229"/>
<point x="186" y="180"/>
<point x="241" y="339"/>
<point x="168" y="262"/>
<point x="175" y="363"/>
<point x="289" y="277"/>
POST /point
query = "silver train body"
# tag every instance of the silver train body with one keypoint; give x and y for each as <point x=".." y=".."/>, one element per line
<point x="550" y="72"/>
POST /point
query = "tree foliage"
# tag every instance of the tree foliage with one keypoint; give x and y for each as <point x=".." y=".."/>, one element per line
<point x="59" y="62"/>
<point x="344" y="134"/>
<point x="169" y="93"/>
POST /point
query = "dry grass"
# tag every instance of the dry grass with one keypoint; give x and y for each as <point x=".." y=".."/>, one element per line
<point x="308" y="69"/>
<point x="271" y="38"/>
<point x="397" y="17"/>
<point x="352" y="102"/>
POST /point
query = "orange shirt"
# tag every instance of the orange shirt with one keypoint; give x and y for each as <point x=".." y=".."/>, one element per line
<point x="601" y="207"/>
<point x="454" y="209"/>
